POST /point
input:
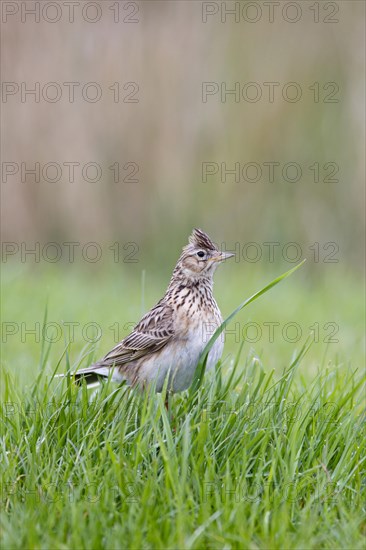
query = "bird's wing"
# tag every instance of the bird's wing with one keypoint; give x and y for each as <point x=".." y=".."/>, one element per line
<point x="152" y="333"/>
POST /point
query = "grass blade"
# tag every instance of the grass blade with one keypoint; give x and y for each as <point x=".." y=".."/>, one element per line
<point x="201" y="367"/>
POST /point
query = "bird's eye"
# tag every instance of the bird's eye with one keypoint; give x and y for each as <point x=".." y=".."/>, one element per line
<point x="200" y="254"/>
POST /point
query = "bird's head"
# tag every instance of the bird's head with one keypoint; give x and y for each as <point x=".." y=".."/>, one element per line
<point x="201" y="256"/>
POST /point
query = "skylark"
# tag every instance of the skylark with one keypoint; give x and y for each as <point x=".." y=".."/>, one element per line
<point x="170" y="338"/>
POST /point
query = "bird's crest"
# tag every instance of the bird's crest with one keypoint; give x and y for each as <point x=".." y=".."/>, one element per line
<point x="200" y="239"/>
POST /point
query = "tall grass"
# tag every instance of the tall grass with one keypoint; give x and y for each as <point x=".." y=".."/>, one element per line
<point x="245" y="461"/>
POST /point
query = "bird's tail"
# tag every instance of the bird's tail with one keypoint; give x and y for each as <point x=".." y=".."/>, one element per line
<point x="92" y="375"/>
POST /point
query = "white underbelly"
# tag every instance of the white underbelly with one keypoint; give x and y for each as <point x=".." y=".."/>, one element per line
<point x="179" y="360"/>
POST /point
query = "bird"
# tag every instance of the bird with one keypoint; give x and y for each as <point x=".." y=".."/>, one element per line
<point x="169" y="339"/>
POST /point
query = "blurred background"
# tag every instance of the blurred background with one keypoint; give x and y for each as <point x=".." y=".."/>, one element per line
<point x="150" y="118"/>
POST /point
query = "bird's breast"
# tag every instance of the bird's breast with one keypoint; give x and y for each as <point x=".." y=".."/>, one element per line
<point x="195" y="319"/>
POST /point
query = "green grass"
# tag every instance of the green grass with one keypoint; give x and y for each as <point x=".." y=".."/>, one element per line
<point x="247" y="461"/>
<point x="112" y="297"/>
<point x="256" y="457"/>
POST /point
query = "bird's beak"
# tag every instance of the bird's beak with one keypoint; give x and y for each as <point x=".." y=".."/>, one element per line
<point x="222" y="256"/>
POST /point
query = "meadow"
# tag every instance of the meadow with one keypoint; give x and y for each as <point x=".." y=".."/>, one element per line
<point x="269" y="451"/>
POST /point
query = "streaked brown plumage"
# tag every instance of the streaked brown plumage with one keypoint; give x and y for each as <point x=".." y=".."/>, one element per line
<point x="170" y="338"/>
